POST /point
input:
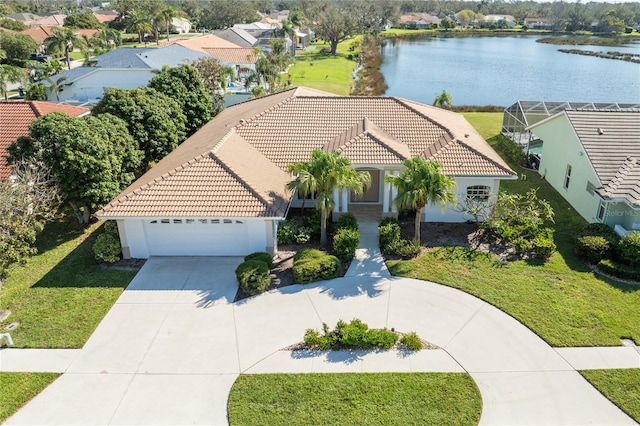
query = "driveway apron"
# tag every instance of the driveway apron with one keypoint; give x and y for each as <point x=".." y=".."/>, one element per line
<point x="171" y="347"/>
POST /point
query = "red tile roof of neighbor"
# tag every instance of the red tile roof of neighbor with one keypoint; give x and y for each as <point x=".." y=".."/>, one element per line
<point x="15" y="118"/>
<point x="236" y="164"/>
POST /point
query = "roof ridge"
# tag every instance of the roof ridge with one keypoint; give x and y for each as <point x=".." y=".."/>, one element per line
<point x="403" y="102"/>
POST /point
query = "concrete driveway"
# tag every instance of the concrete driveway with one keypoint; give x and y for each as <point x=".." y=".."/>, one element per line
<point x="171" y="347"/>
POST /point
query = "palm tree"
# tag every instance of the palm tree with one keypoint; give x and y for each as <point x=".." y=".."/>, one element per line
<point x="11" y="74"/>
<point x="443" y="99"/>
<point x="420" y="183"/>
<point x="323" y="173"/>
<point x="63" y="40"/>
<point x="166" y="16"/>
<point x="138" y="23"/>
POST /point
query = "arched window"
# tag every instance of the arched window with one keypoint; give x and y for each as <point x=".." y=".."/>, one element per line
<point x="478" y="192"/>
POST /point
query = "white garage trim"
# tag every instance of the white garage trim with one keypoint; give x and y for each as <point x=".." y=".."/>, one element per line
<point x="189" y="236"/>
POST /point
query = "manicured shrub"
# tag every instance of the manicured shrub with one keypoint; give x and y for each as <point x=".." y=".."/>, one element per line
<point x="389" y="219"/>
<point x="629" y="248"/>
<point x="262" y="256"/>
<point x="111" y="227"/>
<point x="287" y="231"/>
<point x="348" y="221"/>
<point x="253" y="276"/>
<point x="618" y="270"/>
<point x="592" y="248"/>
<point x="345" y="243"/>
<point x="381" y="338"/>
<point x="307" y="253"/>
<point x="411" y="341"/>
<point x="543" y="246"/>
<point x="317" y="269"/>
<point x="313" y="339"/>
<point x="107" y="248"/>
<point x="389" y="235"/>
<point x="600" y="230"/>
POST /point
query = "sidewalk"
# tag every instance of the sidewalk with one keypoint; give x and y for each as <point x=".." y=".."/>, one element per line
<point x="173" y="344"/>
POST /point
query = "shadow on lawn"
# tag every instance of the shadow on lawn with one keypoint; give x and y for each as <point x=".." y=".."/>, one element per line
<point x="78" y="268"/>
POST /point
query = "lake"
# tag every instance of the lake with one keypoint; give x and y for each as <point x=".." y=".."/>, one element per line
<point x="502" y="70"/>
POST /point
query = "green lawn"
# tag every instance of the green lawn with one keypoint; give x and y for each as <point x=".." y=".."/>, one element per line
<point x="622" y="387"/>
<point x="16" y="389"/>
<point x="322" y="71"/>
<point x="62" y="293"/>
<point x="562" y="301"/>
<point x="355" y="399"/>
<point x="488" y="124"/>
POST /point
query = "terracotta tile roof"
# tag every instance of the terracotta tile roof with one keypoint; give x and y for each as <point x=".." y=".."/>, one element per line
<point x="15" y="118"/>
<point x="209" y="41"/>
<point x="366" y="143"/>
<point x="611" y="140"/>
<point x="233" y="55"/>
<point x="255" y="139"/>
<point x="40" y="33"/>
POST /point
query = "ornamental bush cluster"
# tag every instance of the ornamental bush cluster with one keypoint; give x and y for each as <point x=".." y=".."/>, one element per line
<point x="599" y="245"/>
<point x="519" y="221"/>
<point x="391" y="243"/>
<point x="310" y="265"/>
<point x="254" y="274"/>
<point x="106" y="247"/>
<point x="353" y="335"/>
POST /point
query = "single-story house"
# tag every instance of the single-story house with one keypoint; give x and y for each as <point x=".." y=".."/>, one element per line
<point x="15" y="118"/>
<point x="106" y="16"/>
<point x="241" y="59"/>
<point x="509" y="20"/>
<point x="53" y="19"/>
<point x="41" y="32"/>
<point x="223" y="191"/>
<point x="181" y="25"/>
<point x="237" y="36"/>
<point x="419" y="21"/>
<point x="539" y="23"/>
<point x="592" y="158"/>
<point x="126" y="68"/>
<point x="264" y="33"/>
<point x="209" y="41"/>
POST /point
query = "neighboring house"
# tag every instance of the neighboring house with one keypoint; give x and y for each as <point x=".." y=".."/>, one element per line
<point x="126" y="68"/>
<point x="181" y="25"/>
<point x="25" y="18"/>
<point x="222" y="191"/>
<point x="106" y="16"/>
<point x="419" y="21"/>
<point x="509" y="20"/>
<point x="264" y="33"/>
<point x="237" y="36"/>
<point x="592" y="158"/>
<point x="55" y="19"/>
<point x="209" y="41"/>
<point x="15" y="118"/>
<point x="538" y="23"/>
<point x="41" y="32"/>
<point x="241" y="59"/>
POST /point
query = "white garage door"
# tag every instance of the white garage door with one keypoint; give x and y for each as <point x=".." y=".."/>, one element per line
<point x="197" y="237"/>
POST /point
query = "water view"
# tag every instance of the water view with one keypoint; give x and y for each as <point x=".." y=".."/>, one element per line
<point x="502" y="70"/>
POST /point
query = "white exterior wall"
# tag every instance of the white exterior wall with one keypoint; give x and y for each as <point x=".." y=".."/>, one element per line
<point x="92" y="86"/>
<point x="435" y="214"/>
<point x="561" y="147"/>
<point x="134" y="235"/>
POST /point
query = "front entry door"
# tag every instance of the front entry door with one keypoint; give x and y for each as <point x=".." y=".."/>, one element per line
<point x="372" y="194"/>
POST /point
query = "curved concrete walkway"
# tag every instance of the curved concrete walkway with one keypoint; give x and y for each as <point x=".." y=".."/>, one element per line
<point x="173" y="344"/>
